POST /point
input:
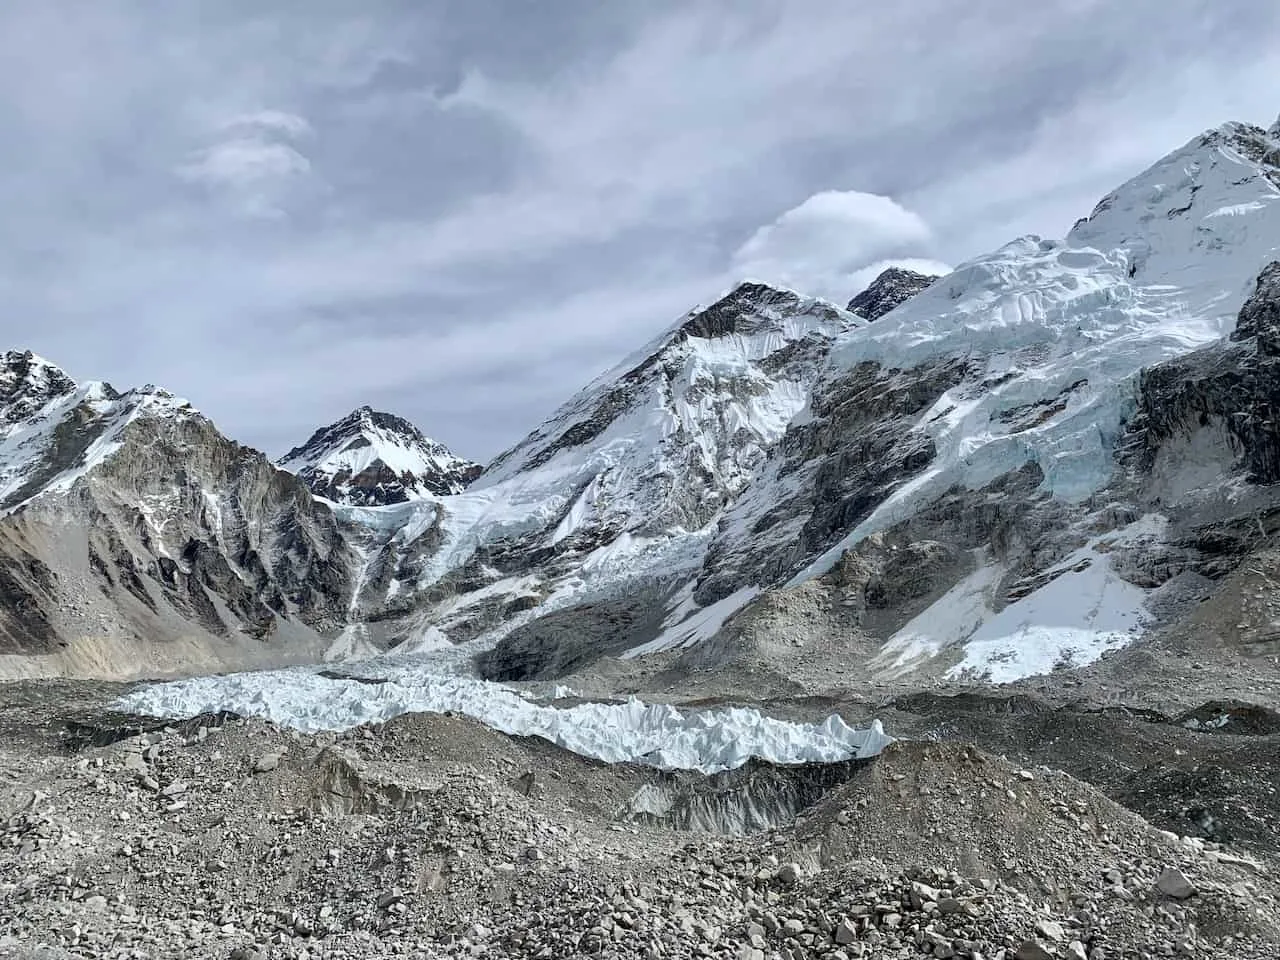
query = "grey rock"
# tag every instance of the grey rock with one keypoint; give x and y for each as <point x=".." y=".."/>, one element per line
<point x="1032" y="950"/>
<point x="1050" y="930"/>
<point x="790" y="874"/>
<point x="1173" y="883"/>
<point x="266" y="763"/>
<point x="844" y="933"/>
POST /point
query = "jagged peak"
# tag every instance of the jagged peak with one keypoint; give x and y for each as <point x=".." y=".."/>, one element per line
<point x="366" y="416"/>
<point x="370" y="457"/>
<point x="893" y="287"/>
<point x="21" y="367"/>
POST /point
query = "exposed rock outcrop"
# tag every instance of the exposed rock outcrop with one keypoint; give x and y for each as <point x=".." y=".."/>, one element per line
<point x="138" y="539"/>
<point x="892" y="288"/>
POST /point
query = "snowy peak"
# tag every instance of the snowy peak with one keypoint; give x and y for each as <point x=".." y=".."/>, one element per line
<point x="28" y="383"/>
<point x="1209" y="201"/>
<point x="369" y="458"/>
<point x="54" y="431"/>
<point x="894" y="287"/>
<point x="744" y="343"/>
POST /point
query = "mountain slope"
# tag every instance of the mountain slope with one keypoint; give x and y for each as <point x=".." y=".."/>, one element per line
<point x="137" y="539"/>
<point x="956" y="488"/>
<point x="372" y="459"/>
<point x="623" y="484"/>
<point x="892" y="288"/>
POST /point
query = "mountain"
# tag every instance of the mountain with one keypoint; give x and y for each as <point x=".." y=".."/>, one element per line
<point x="1023" y="466"/>
<point x="892" y="288"/>
<point x="373" y="459"/>
<point x="621" y="488"/>
<point x="136" y="539"/>
<point x="1060" y="448"/>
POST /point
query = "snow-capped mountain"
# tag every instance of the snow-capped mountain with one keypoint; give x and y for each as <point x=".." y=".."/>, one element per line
<point x="1033" y="460"/>
<point x="372" y="459"/>
<point x="135" y="538"/>
<point x="892" y="288"/>
<point x="622" y="485"/>
<point x="960" y="487"/>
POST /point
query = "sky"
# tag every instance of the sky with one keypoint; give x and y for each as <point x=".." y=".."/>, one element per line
<point x="461" y="212"/>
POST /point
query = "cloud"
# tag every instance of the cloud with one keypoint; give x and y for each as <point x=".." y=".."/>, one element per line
<point x="465" y="211"/>
<point x="253" y="164"/>
<point x="819" y="246"/>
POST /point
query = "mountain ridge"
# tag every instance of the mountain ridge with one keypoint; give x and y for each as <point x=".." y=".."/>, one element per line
<point x="371" y="458"/>
<point x="948" y="462"/>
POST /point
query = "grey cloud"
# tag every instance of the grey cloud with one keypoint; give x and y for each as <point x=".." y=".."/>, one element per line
<point x="474" y="208"/>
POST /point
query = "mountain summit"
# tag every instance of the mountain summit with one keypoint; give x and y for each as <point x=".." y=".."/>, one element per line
<point x="1039" y="458"/>
<point x="892" y="288"/>
<point x="370" y="458"/>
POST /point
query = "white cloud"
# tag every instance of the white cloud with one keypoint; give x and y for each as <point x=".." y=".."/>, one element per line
<point x="253" y="165"/>
<point x="244" y="162"/>
<point x="822" y="245"/>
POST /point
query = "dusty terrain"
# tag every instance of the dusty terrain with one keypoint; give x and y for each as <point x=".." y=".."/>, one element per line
<point x="1010" y="825"/>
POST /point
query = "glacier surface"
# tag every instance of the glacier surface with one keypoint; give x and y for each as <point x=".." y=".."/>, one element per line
<point x="659" y="735"/>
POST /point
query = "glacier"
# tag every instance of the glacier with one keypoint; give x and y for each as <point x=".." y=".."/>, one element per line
<point x="658" y="735"/>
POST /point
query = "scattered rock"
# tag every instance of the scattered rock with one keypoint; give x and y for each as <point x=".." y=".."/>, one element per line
<point x="1172" y="883"/>
<point x="266" y="763"/>
<point x="1032" y="950"/>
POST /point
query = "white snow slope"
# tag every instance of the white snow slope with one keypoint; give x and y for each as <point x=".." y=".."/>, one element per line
<point x="658" y="735"/>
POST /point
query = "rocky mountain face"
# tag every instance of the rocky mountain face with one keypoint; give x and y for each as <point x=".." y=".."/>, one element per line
<point x="892" y="288"/>
<point x="136" y="538"/>
<point x="372" y="459"/>
<point x="1040" y="457"/>
<point x="620" y="488"/>
<point x="1058" y="448"/>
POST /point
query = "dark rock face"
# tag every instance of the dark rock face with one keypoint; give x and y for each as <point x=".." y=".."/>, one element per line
<point x="1236" y="383"/>
<point x="858" y="447"/>
<point x="561" y="642"/>
<point x="347" y="462"/>
<point x="27" y="383"/>
<point x="237" y="528"/>
<point x="894" y="287"/>
<point x="28" y="591"/>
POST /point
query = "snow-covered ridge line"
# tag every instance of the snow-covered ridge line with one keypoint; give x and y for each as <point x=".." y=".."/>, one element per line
<point x="370" y="458"/>
<point x="654" y="734"/>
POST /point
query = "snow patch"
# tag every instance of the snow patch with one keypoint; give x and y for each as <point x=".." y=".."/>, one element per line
<point x="701" y="624"/>
<point x="1085" y="611"/>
